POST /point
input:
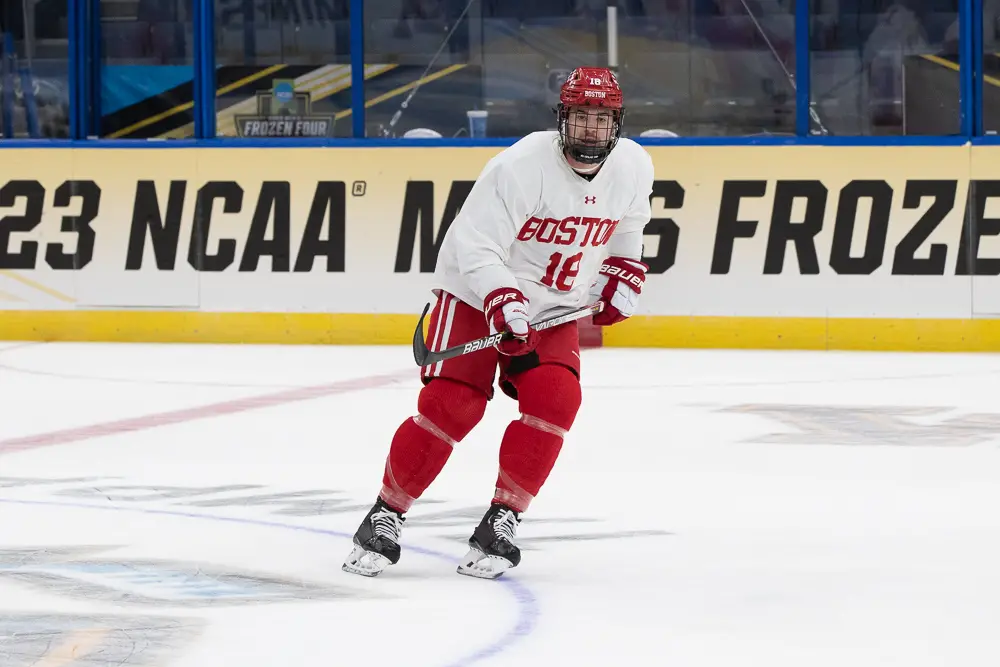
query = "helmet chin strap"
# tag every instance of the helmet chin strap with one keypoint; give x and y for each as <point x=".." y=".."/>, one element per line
<point x="588" y="169"/>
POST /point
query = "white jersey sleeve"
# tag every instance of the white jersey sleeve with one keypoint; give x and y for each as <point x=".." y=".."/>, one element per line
<point x="481" y="236"/>
<point x="627" y="239"/>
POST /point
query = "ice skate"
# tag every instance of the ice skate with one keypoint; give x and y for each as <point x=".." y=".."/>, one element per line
<point x="491" y="548"/>
<point x="376" y="544"/>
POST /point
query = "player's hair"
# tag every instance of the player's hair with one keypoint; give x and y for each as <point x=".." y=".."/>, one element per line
<point x="592" y="87"/>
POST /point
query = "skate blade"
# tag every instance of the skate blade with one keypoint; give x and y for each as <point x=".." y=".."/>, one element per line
<point x="483" y="566"/>
<point x="365" y="563"/>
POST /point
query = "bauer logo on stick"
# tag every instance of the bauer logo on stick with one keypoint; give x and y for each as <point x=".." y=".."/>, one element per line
<point x="425" y="357"/>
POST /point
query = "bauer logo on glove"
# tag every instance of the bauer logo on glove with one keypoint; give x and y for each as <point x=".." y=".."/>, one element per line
<point x="502" y="297"/>
<point x="627" y="275"/>
<point x="507" y="312"/>
<point x="619" y="284"/>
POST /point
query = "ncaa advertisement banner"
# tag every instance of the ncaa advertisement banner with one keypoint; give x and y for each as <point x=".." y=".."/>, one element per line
<point x="339" y="231"/>
<point x="801" y="247"/>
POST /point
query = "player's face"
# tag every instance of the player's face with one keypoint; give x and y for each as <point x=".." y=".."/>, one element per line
<point x="590" y="125"/>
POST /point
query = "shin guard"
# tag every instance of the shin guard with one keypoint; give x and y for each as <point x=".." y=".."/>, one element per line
<point x="549" y="397"/>
<point x="446" y="412"/>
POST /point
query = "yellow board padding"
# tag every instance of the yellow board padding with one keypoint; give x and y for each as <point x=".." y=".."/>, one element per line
<point x="141" y="326"/>
<point x="717" y="332"/>
<point x="767" y="333"/>
<point x="807" y="333"/>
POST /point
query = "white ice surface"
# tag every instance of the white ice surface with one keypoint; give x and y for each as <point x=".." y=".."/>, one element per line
<point x="687" y="541"/>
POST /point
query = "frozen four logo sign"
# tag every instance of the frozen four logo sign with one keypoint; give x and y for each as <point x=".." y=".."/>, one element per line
<point x="283" y="112"/>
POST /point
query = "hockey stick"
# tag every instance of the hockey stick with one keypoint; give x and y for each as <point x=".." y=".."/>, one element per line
<point x="425" y="357"/>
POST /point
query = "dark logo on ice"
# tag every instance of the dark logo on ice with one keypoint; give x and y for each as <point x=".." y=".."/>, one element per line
<point x="283" y="112"/>
<point x="899" y="426"/>
<point x="452" y="523"/>
<point x="83" y="572"/>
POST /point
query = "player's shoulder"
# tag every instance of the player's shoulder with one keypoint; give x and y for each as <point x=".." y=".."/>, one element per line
<point x="631" y="147"/>
<point x="525" y="159"/>
<point x="633" y="153"/>
<point x="630" y="163"/>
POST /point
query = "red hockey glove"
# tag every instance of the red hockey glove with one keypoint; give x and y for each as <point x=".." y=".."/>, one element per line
<point x="507" y="310"/>
<point x="618" y="285"/>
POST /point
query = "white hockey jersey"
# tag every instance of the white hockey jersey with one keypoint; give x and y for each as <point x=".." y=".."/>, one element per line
<point x="532" y="223"/>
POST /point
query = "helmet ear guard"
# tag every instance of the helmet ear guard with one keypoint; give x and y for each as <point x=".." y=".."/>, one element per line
<point x="590" y="88"/>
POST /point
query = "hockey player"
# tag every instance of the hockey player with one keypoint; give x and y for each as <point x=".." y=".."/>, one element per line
<point x="554" y="223"/>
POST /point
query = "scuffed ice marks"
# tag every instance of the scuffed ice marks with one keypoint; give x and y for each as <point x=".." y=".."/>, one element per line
<point x="455" y="524"/>
<point x="108" y="576"/>
<point x="30" y="640"/>
<point x="314" y="503"/>
<point x="303" y="503"/>
<point x="93" y="574"/>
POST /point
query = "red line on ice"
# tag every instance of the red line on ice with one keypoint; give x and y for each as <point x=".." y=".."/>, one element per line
<point x="181" y="416"/>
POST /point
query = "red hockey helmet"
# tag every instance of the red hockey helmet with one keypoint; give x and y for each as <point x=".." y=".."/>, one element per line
<point x="589" y="137"/>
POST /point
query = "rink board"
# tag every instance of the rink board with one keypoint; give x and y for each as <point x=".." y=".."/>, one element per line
<point x="797" y="247"/>
<point x="780" y="333"/>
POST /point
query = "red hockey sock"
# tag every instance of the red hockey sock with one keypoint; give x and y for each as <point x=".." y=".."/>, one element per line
<point x="549" y="397"/>
<point x="446" y="412"/>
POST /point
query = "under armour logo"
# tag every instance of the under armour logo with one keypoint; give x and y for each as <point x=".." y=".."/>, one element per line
<point x="590" y="200"/>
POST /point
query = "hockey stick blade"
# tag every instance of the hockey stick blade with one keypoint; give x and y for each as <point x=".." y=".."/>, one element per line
<point x="425" y="357"/>
<point x="420" y="350"/>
